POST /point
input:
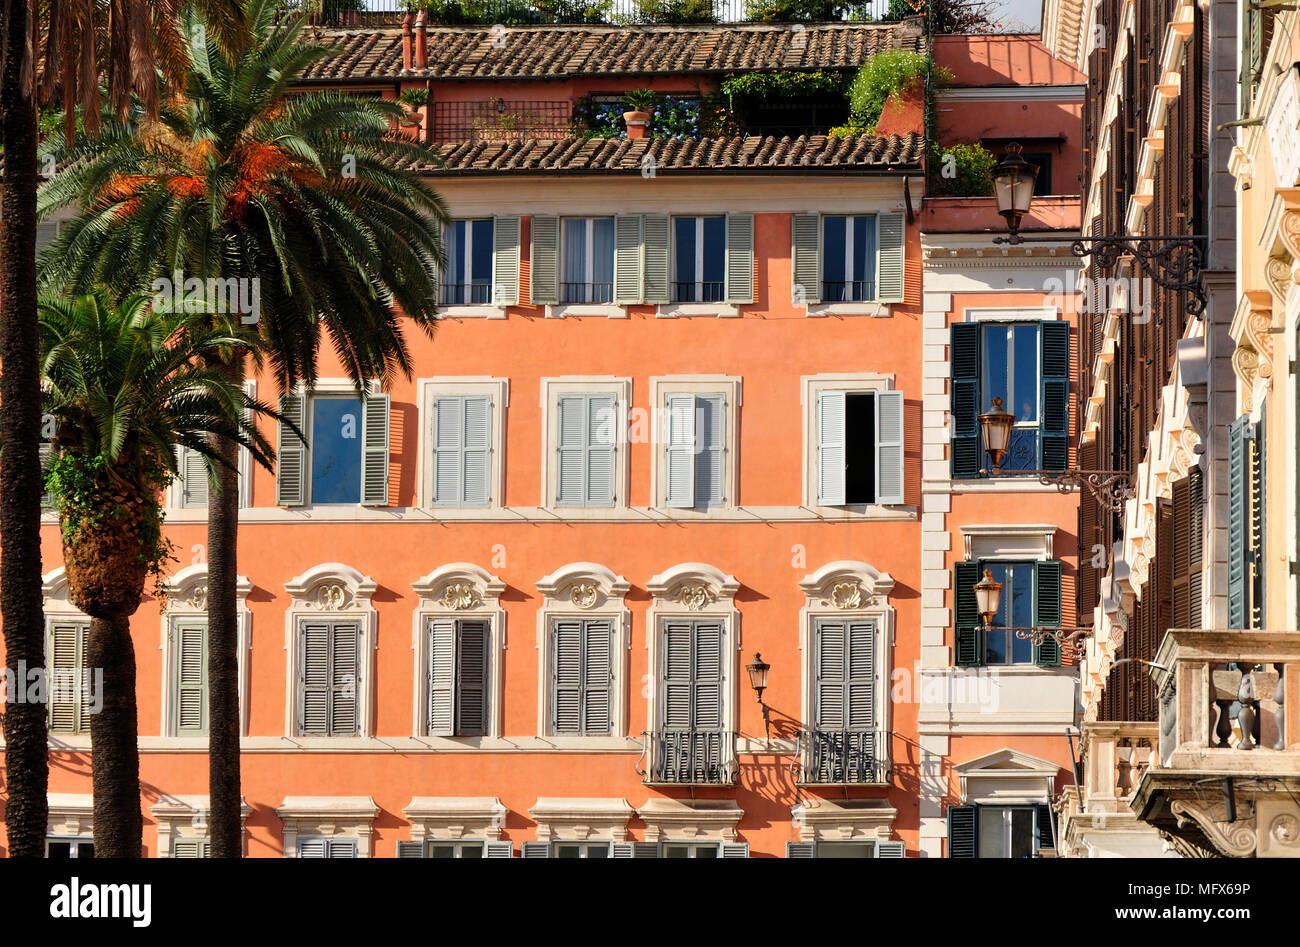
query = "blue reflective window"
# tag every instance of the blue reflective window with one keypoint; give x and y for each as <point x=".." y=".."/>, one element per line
<point x="1016" y="610"/>
<point x="699" y="259"/>
<point x="335" y="450"/>
<point x="468" y="279"/>
<point x="1011" y="371"/>
<point x="849" y="258"/>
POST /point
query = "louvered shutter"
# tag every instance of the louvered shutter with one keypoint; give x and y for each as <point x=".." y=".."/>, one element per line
<point x="190" y="667"/>
<point x="711" y="457"/>
<point x="190" y="848"/>
<point x="478" y="451"/>
<point x="1196" y="543"/>
<point x="806" y="251"/>
<point x="192" y="484"/>
<point x="740" y="258"/>
<point x="889" y="446"/>
<point x="635" y="850"/>
<point x="657" y="269"/>
<point x="566" y="676"/>
<point x="536" y="850"/>
<point x="861" y="677"/>
<point x="968" y="634"/>
<point x="1180" y="574"/>
<point x="831" y="448"/>
<point x="679" y="465"/>
<point x="66" y="659"/>
<point x="546" y="260"/>
<point x="342" y="848"/>
<point x="627" y="259"/>
<point x="675" y="687"/>
<point x="505" y="260"/>
<point x="963" y="832"/>
<point x="707" y="705"/>
<point x="498" y="849"/>
<point x="471" y="679"/>
<point x="1089" y="536"/>
<point x="597" y="677"/>
<point x="602" y="447"/>
<point x="314" y="679"/>
<point x="890" y="848"/>
<point x="46" y="233"/>
<point x="831" y="692"/>
<point x="571" y="451"/>
<point x="345" y="647"/>
<point x="46" y="454"/>
<point x="1047" y="610"/>
<point x="410" y="849"/>
<point x="374" y="440"/>
<point x="889" y="285"/>
<point x="734" y="850"/>
<point x="964" y="445"/>
<point x="1054" y="442"/>
<point x="1043" y="826"/>
<point x="291" y="453"/>
<point x="800" y="849"/>
<point x="441" y="646"/>
<point x="1239" y="483"/>
<point x="313" y="848"/>
<point x="448" y="450"/>
<point x="586" y="450"/>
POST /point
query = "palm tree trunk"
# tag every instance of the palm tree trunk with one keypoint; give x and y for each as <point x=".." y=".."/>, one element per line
<point x="26" y="761"/>
<point x="223" y="653"/>
<point x="114" y="750"/>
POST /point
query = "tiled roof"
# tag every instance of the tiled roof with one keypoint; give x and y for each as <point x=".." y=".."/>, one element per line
<point x="613" y="155"/>
<point x="555" y="52"/>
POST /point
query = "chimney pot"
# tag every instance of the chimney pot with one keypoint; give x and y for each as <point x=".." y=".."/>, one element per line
<point x="407" y="44"/>
<point x="421" y="41"/>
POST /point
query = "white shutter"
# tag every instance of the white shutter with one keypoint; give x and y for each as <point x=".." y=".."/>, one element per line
<point x="374" y="439"/>
<point x="66" y="659"/>
<point x="545" y="236"/>
<point x="740" y="258"/>
<point x="657" y="269"/>
<point x="735" y="850"/>
<point x="448" y="450"/>
<point x="806" y="249"/>
<point x="190" y="658"/>
<point x="314" y="679"/>
<point x="313" y="848"/>
<point x="46" y="453"/>
<point x="536" y="850"/>
<point x="890" y="848"/>
<point x="345" y="678"/>
<point x="192" y="484"/>
<point x="711" y="455"/>
<point x="889" y="284"/>
<point x="505" y="260"/>
<point x="800" y="849"/>
<point x="499" y="850"/>
<point x="570" y="487"/>
<point x="478" y="451"/>
<point x="342" y="848"/>
<point x="889" y="446"/>
<point x="831" y="448"/>
<point x="627" y="259"/>
<point x="410" y="849"/>
<point x="601" y="449"/>
<point x="291" y="453"/>
<point x="679" y="464"/>
<point x="441" y="646"/>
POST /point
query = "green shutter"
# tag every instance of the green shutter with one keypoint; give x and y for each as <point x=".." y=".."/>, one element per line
<point x="472" y="679"/>
<point x="963" y="832"/>
<point x="1043" y="826"/>
<point x="657" y="268"/>
<point x="806" y="263"/>
<point x="740" y="258"/>
<point x="291" y="453"/>
<point x="546" y="260"/>
<point x="1054" y="442"/>
<point x="374" y="440"/>
<point x="964" y="444"/>
<point x="1240" y="435"/>
<point x="505" y="260"/>
<point x="628" y="288"/>
<point x="1047" y="611"/>
<point x="889" y="279"/>
<point x="190" y="676"/>
<point x="968" y="630"/>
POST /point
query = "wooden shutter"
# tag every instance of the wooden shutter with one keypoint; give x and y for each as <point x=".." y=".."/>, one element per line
<point x="476" y="490"/>
<point x="890" y="848"/>
<point x="832" y="444"/>
<point x="860" y="679"/>
<point x="1043" y="827"/>
<point x="291" y="453"/>
<point x="345" y="678"/>
<point x="679" y="463"/>
<point x="191" y="848"/>
<point x="800" y="849"/>
<point x="441" y="646"/>
<point x="740" y="258"/>
<point x="448" y="450"/>
<point x="190" y="670"/>
<point x="889" y="446"/>
<point x="1089" y="536"/>
<point x="586" y="450"/>
<point x="734" y="850"/>
<point x="192" y="484"/>
<point x="374" y="440"/>
<point x="963" y="832"/>
<point x="597" y="677"/>
<point x="675" y="676"/>
<point x="657" y="268"/>
<point x="627" y="259"/>
<point x="964" y="444"/>
<point x="711" y="456"/>
<point x="536" y="850"/>
<point x="342" y="848"/>
<point x="46" y="455"/>
<point x="706" y="708"/>
<point x="315" y="679"/>
<point x="1239" y="483"/>
<point x="1047" y="610"/>
<point x="66" y="660"/>
<point x="472" y="679"/>
<point x="505" y="260"/>
<point x="889" y="269"/>
<point x="1054" y="442"/>
<point x="545" y="234"/>
<point x="498" y="849"/>
<point x="571" y="453"/>
<point x="1181" y="571"/>
<point x="968" y="631"/>
<point x="831" y="692"/>
<point x="1196" y="544"/>
<point x="313" y="848"/>
<point x="1259" y="520"/>
<point x="806" y="251"/>
<point x="410" y="849"/>
<point x="566" y="676"/>
<point x="635" y="850"/>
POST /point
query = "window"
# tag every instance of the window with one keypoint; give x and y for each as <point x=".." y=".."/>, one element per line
<point x="695" y="450"/>
<point x="328" y="674"/>
<point x="582" y="676"/>
<point x="847" y="258"/>
<point x="587" y="260"/>
<point x="65" y="846"/>
<point x="468" y="278"/>
<point x="1027" y="365"/>
<point x="689" y="850"/>
<point x="859" y="447"/>
<point x="462" y="450"/>
<point x="1014" y="831"/>
<point x="844" y="739"/>
<point x="457" y="660"/>
<point x="327" y="847"/>
<point x="580" y="849"/>
<point x="1031" y="597"/>
<point x="446" y="848"/>
<point x="71" y="693"/>
<point x="586" y="450"/>
<point x="699" y="259"/>
<point x="692" y="747"/>
<point x="189" y="666"/>
<point x="194" y="848"/>
<point x="867" y="848"/>
<point x="346" y="459"/>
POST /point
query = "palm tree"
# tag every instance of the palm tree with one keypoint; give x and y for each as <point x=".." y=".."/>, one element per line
<point x="315" y="198"/>
<point x="125" y="386"/>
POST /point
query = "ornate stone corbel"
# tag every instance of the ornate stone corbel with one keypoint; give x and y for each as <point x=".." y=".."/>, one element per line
<point x="1234" y="839"/>
<point x="1253" y="357"/>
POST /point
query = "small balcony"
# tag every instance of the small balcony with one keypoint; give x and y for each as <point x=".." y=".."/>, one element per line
<point x="689" y="758"/>
<point x="1114" y="756"/>
<point x="844" y="758"/>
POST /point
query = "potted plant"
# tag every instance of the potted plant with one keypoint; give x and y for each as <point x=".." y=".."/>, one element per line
<point x="414" y="100"/>
<point x="638" y="102"/>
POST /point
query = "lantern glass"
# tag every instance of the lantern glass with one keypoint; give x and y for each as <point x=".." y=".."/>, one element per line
<point x="988" y="596"/>
<point x="1013" y="186"/>
<point x="995" y="431"/>
<point x="758" y="669"/>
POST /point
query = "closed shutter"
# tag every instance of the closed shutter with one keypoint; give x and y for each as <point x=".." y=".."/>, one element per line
<point x="1089" y="537"/>
<point x="675" y="689"/>
<point x="890" y="848"/>
<point x="1181" y="572"/>
<point x="566" y="676"/>
<point x="627" y="259"/>
<point x="800" y="849"/>
<point x="846" y="676"/>
<point x="964" y="444"/>
<point x="586" y="450"/>
<point x="313" y="848"/>
<point x="635" y="850"/>
<point x="831" y="695"/>
<point x="374" y="440"/>
<point x="968" y="633"/>
<point x="410" y="849"/>
<point x="889" y="283"/>
<point x="1196" y="543"/>
<point x="889" y="447"/>
<point x="598" y="677"/>
<point x="462" y="457"/>
<point x="806" y="250"/>
<point x="740" y="258"/>
<point x="657" y="288"/>
<point x="192" y="482"/>
<point x="734" y="850"/>
<point x="342" y="848"/>
<point x="710" y="458"/>
<point x="471" y="679"/>
<point x="1046" y="835"/>
<point x="1259" y="520"/>
<point x="707" y="705"/>
<point x="441" y="646"/>
<point x="190" y="664"/>
<point x="46" y="455"/>
<point x="291" y="453"/>
<point x="191" y="848"/>
<point x="679" y="464"/>
<point x="1047" y="611"/>
<point x="546" y="261"/>
<point x="345" y="648"/>
<point x="963" y="832"/>
<point x="315" y="679"/>
<point x="66" y="661"/>
<point x="1054" y="442"/>
<point x="536" y="850"/>
<point x="831" y="448"/>
<point x="478" y="451"/>
<point x="498" y="849"/>
<point x="1240" y="434"/>
<point x="505" y="260"/>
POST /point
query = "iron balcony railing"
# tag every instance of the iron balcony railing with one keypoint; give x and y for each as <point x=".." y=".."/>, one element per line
<point x="844" y="757"/>
<point x="465" y="294"/>
<point x="706" y="292"/>
<point x="850" y="291"/>
<point x="689" y="757"/>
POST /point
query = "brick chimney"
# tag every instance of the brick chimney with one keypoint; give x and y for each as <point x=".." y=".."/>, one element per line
<point x="406" y="41"/>
<point x="421" y="41"/>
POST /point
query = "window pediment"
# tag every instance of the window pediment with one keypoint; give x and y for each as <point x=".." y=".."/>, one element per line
<point x="694" y="587"/>
<point x="331" y="587"/>
<point x="698" y="819"/>
<point x="455" y="817"/>
<point x="584" y="586"/>
<point x="580" y="819"/>
<point x="459" y="587"/>
<point x="847" y="586"/>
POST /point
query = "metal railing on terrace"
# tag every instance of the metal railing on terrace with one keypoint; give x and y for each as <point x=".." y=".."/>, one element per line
<point x="844" y="757"/>
<point x="689" y="757"/>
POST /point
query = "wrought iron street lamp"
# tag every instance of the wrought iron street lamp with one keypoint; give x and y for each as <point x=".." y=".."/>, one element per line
<point x="988" y="598"/>
<point x="1013" y="184"/>
<point x="995" y="432"/>
<point x="758" y="669"/>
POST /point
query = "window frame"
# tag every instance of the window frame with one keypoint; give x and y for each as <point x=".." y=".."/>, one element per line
<point x="731" y="389"/>
<point x="443" y="303"/>
<point x="75" y="841"/>
<point x="698" y="283"/>
<point x="812" y="388"/>
<point x="848" y="257"/>
<point x="428" y="390"/>
<point x="552" y="389"/>
<point x="1029" y="565"/>
<point x="589" y="261"/>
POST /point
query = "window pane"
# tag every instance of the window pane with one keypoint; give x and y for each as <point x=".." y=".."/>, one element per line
<point x="471" y="851"/>
<point x="573" y="287"/>
<point x="995" y="368"/>
<point x="602" y="260"/>
<point x="60" y="850"/>
<point x="453" y="288"/>
<point x="684" y="259"/>
<point x="715" y="243"/>
<point x="1022" y="610"/>
<point x="481" y="265"/>
<point x="336" y="450"/>
<point x="568" y="851"/>
<point x="442" y="851"/>
<point x="864" y="258"/>
<point x="833" y="275"/>
<point x="992" y="832"/>
<point x="676" y="851"/>
<point x="706" y="851"/>
<point x="1022" y="833"/>
<point x="597" y="851"/>
<point x="1025" y="375"/>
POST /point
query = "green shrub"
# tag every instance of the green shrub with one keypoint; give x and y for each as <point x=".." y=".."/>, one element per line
<point x="881" y="76"/>
<point x="415" y="98"/>
<point x="961" y="170"/>
<point x="676" y="11"/>
<point x="804" y="11"/>
<point x="639" y="100"/>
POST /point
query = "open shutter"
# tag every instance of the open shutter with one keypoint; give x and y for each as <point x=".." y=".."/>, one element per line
<point x="410" y="849"/>
<point x="1258" y="519"/>
<point x="442" y="677"/>
<point x="657" y="287"/>
<point x="968" y="634"/>
<point x="734" y="850"/>
<point x="475" y="487"/>
<point x="890" y="848"/>
<point x="679" y="464"/>
<point x="889" y="280"/>
<point x="192" y="484"/>
<point x="505" y="260"/>
<point x="374" y="440"/>
<point x="1180" y="575"/>
<point x="1239" y="482"/>
<point x="627" y="259"/>
<point x="740" y="258"/>
<point x="831" y="448"/>
<point x="806" y="250"/>
<point x="46" y="454"/>
<point x="291" y="453"/>
<point x="345" y="647"/>
<point x="964" y="444"/>
<point x="800" y="849"/>
<point x="190" y="657"/>
<point x="566" y="676"/>
<point x="499" y="850"/>
<point x="1047" y="610"/>
<point x="1043" y="826"/>
<point x="711" y="457"/>
<point x="65" y="659"/>
<point x="889" y="446"/>
<point x="536" y="850"/>
<point x="546" y="260"/>
<point x="471" y="679"/>
<point x="1196" y="542"/>
<point x="315" y="682"/>
<point x="1054" y="443"/>
<point x="597" y="677"/>
<point x="963" y="832"/>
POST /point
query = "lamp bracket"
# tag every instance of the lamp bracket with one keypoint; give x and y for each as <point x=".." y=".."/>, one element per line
<point x="1110" y="488"/>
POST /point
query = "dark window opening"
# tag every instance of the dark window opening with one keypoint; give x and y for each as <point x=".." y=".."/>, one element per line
<point x="860" y="447"/>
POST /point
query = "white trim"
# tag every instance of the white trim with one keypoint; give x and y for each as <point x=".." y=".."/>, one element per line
<point x="1020" y="541"/>
<point x="576" y="310"/>
<point x="720" y="310"/>
<point x="70" y="816"/>
<point x="661" y="386"/>
<point x="1025" y="314"/>
<point x="821" y="819"/>
<point x="455" y="817"/>
<point x="810" y="387"/>
<point x="552" y="389"/>
<point x="690" y="820"/>
<point x="1007" y="777"/>
<point x="428" y="389"/>
<point x="185" y="817"/>
<point x="875" y="310"/>
<point x="1064" y="92"/>
<point x="574" y="820"/>
<point x="633" y="514"/>
<point x="343" y="817"/>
